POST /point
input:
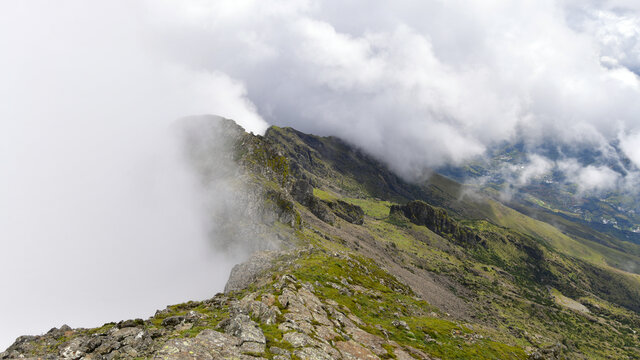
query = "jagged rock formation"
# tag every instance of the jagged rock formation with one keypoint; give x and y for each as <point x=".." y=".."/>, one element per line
<point x="436" y="219"/>
<point x="301" y="322"/>
<point x="250" y="180"/>
<point x="367" y="266"/>
<point x="244" y="274"/>
<point x="326" y="211"/>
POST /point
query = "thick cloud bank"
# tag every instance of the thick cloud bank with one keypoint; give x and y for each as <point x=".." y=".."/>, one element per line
<point x="94" y="196"/>
<point x="99" y="217"/>
<point x="422" y="85"/>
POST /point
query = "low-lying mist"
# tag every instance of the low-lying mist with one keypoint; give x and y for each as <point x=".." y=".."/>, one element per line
<point x="238" y="217"/>
<point x="101" y="217"/>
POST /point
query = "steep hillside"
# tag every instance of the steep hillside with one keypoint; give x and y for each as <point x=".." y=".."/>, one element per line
<point x="364" y="265"/>
<point x="328" y="162"/>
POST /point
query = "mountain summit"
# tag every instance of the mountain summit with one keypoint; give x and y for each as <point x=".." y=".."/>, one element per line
<point x="350" y="261"/>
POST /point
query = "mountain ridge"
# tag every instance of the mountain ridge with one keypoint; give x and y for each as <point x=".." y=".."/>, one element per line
<point x="367" y="265"/>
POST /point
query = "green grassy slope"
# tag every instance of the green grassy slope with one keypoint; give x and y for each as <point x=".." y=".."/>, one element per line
<point x="513" y="275"/>
<point x="510" y="280"/>
<point x="330" y="163"/>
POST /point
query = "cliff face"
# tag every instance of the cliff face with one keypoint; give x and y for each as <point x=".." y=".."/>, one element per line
<point x="436" y="220"/>
<point x="362" y="265"/>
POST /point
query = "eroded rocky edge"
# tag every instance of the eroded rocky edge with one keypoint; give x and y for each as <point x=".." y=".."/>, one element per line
<point x="278" y="316"/>
<point x="310" y="327"/>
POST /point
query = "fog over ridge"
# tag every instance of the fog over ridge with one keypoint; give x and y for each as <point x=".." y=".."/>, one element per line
<point x="95" y="195"/>
<point x="101" y="218"/>
<point x="426" y="85"/>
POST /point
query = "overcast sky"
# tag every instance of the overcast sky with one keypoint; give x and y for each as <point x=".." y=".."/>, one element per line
<point x="99" y="218"/>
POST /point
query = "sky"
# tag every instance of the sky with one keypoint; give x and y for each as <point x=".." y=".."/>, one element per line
<point x="101" y="219"/>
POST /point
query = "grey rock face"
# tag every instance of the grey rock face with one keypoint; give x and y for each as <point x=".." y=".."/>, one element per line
<point x="315" y="328"/>
<point x="208" y="344"/>
<point x="266" y="314"/>
<point x="321" y="210"/>
<point x="278" y="351"/>
<point x="297" y="339"/>
<point x="244" y="274"/>
<point x="242" y="327"/>
<point x="302" y="192"/>
<point x="72" y="350"/>
<point x="312" y="354"/>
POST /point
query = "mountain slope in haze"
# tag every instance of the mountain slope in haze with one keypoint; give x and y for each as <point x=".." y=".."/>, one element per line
<point x="364" y="265"/>
<point x="613" y="212"/>
<point x="331" y="163"/>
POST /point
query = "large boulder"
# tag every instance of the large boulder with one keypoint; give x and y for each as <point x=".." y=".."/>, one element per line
<point x="242" y="327"/>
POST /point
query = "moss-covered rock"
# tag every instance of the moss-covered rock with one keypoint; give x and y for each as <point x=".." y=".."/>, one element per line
<point x="348" y="212"/>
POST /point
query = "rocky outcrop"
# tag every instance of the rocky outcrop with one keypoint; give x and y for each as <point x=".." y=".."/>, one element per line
<point x="437" y="220"/>
<point x="279" y="205"/>
<point x="347" y="212"/>
<point x="250" y="336"/>
<point x="245" y="181"/>
<point x="308" y="327"/>
<point x="124" y="340"/>
<point x="245" y="273"/>
<point x="302" y="192"/>
<point x="320" y="209"/>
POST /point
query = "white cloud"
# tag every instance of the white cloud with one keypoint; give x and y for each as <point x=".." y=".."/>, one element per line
<point x="618" y="35"/>
<point x="538" y="166"/>
<point x="596" y="178"/>
<point x="630" y="144"/>
<point x="590" y="178"/>
<point x="100" y="219"/>
<point x="481" y="72"/>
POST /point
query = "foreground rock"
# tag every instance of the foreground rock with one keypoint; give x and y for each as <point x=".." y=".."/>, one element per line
<point x="310" y="328"/>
